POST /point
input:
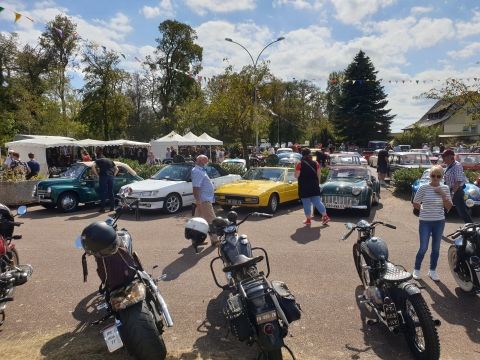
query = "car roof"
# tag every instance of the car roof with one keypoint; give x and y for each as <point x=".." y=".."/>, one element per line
<point x="272" y="167"/>
<point x="407" y="153"/>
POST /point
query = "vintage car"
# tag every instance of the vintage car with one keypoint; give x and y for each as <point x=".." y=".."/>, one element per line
<point x="289" y="159"/>
<point x="78" y="185"/>
<point x="350" y="187"/>
<point x="284" y="150"/>
<point x="344" y="159"/>
<point x="363" y="161"/>
<point x="373" y="159"/>
<point x="241" y="163"/>
<point x="472" y="192"/>
<point x="170" y="188"/>
<point x="469" y="161"/>
<point x="265" y="187"/>
<point x="406" y="160"/>
<point x="372" y="146"/>
<point x="433" y="158"/>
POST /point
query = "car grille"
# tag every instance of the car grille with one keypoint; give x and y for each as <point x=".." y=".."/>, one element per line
<point x="42" y="193"/>
<point x="346" y="201"/>
<point x="233" y="197"/>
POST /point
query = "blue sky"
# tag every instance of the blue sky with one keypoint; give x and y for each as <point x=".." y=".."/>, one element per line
<point x="407" y="40"/>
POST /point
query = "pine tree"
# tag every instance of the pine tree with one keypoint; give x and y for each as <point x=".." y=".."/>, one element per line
<point x="359" y="113"/>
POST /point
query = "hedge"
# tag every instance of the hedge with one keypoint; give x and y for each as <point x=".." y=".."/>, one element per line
<point x="403" y="179"/>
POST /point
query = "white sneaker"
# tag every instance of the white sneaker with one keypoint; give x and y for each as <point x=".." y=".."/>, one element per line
<point x="416" y="274"/>
<point x="433" y="275"/>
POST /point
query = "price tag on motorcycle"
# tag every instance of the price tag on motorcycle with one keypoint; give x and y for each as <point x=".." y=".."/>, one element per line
<point x="112" y="338"/>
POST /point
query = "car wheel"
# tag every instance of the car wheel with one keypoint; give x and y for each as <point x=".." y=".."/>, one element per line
<point x="67" y="202"/>
<point x="172" y="203"/>
<point x="273" y="204"/>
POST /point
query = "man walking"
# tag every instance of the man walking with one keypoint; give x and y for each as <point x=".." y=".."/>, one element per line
<point x="455" y="180"/>
<point x="33" y="165"/>
<point x="382" y="165"/>
<point x="108" y="171"/>
<point x="203" y="193"/>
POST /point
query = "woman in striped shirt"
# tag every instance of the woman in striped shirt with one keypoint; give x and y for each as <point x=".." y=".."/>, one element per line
<point x="431" y="199"/>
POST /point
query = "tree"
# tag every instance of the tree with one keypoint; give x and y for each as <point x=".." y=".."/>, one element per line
<point x="417" y="136"/>
<point x="60" y="40"/>
<point x="359" y="115"/>
<point x="173" y="67"/>
<point x="105" y="107"/>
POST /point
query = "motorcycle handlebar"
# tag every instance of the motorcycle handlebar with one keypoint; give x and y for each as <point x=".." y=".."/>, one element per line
<point x="390" y="226"/>
<point x="459" y="232"/>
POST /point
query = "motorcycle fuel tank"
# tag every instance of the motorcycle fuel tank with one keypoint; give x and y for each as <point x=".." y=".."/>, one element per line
<point x="238" y="245"/>
<point x="376" y="249"/>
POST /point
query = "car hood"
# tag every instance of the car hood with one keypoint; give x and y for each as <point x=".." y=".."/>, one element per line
<point x="55" y="182"/>
<point x="342" y="186"/>
<point x="152" y="185"/>
<point x="248" y="187"/>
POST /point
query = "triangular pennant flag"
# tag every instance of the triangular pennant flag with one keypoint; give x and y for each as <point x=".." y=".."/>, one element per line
<point x="475" y="79"/>
<point x="123" y="56"/>
<point x="389" y="81"/>
<point x="417" y="81"/>
<point x="1" y="9"/>
<point x="18" y="16"/>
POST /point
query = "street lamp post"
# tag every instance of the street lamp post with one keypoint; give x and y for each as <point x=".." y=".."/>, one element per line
<point x="254" y="63"/>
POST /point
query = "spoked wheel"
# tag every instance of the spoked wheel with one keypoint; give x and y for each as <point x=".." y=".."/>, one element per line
<point x="361" y="265"/>
<point x="172" y="203"/>
<point x="464" y="275"/>
<point x="421" y="333"/>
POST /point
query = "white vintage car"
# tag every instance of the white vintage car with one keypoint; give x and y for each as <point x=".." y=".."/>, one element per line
<point x="171" y="187"/>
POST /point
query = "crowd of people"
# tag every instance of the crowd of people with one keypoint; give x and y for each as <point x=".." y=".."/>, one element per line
<point x="20" y="168"/>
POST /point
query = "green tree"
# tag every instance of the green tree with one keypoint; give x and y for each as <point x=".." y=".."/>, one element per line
<point x="173" y="67"/>
<point x="359" y="114"/>
<point x="418" y="136"/>
<point x="105" y="106"/>
<point x="60" y="40"/>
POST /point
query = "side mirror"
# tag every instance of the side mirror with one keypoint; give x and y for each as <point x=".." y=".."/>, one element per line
<point x="22" y="210"/>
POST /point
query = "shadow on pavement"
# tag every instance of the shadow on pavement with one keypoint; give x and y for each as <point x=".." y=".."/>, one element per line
<point x="459" y="308"/>
<point x="216" y="341"/>
<point x="377" y="338"/>
<point x="188" y="260"/>
<point x="307" y="234"/>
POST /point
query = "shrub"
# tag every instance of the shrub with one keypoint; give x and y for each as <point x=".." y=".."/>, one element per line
<point x="143" y="170"/>
<point x="236" y="169"/>
<point x="324" y="175"/>
<point x="402" y="180"/>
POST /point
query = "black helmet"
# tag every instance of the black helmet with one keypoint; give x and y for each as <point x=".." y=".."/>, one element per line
<point x="6" y="218"/>
<point x="100" y="239"/>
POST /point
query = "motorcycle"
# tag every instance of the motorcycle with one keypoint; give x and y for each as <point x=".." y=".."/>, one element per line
<point x="464" y="257"/>
<point x="131" y="296"/>
<point x="258" y="311"/>
<point x="396" y="301"/>
<point x="12" y="274"/>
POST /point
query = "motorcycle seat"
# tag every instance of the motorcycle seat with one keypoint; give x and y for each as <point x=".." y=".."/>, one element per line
<point x="242" y="261"/>
<point x="395" y="273"/>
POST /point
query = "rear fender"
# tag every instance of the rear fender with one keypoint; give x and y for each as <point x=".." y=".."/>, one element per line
<point x="273" y="341"/>
<point x="400" y="292"/>
<point x="409" y="288"/>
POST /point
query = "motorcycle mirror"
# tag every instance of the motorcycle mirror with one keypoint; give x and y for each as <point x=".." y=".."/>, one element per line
<point x="349" y="226"/>
<point x="78" y="242"/>
<point x="109" y="221"/>
<point x="22" y="210"/>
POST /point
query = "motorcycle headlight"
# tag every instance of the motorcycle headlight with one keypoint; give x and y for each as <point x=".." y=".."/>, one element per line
<point x="356" y="191"/>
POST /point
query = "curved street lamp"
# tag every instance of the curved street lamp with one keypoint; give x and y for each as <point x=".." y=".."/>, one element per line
<point x="254" y="63"/>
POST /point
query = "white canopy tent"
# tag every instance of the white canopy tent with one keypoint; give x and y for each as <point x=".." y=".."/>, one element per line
<point x="159" y="146"/>
<point x="192" y="139"/>
<point x="208" y="140"/>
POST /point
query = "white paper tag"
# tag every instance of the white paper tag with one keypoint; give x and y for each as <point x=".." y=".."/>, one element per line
<point x="112" y="338"/>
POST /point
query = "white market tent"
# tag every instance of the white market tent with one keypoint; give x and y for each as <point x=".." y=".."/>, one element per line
<point x="123" y="142"/>
<point x="192" y="139"/>
<point x="208" y="140"/>
<point x="89" y="142"/>
<point x="38" y="146"/>
<point x="159" y="146"/>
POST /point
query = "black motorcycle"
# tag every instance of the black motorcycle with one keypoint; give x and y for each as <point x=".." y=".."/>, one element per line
<point x="131" y="296"/>
<point x="464" y="257"/>
<point x="12" y="274"/>
<point x="258" y="311"/>
<point x="388" y="292"/>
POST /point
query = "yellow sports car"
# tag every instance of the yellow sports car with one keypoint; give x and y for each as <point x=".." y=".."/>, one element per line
<point x="261" y="187"/>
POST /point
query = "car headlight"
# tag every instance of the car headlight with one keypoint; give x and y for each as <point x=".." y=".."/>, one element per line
<point x="49" y="190"/>
<point x="469" y="203"/>
<point x="356" y="191"/>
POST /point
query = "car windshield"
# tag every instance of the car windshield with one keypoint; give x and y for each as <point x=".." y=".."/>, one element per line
<point x="73" y="172"/>
<point x="374" y="145"/>
<point x="344" y="159"/>
<point x="423" y="151"/>
<point x="173" y="173"/>
<point x="469" y="158"/>
<point x="290" y="155"/>
<point x="264" y="174"/>
<point x="348" y="173"/>
<point x="414" y="159"/>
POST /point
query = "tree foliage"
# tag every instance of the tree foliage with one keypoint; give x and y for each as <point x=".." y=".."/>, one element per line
<point x="418" y="136"/>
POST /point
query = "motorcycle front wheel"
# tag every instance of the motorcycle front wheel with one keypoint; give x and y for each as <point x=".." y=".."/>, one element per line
<point x="421" y="333"/>
<point x="360" y="265"/>
<point x="464" y="276"/>
<point x="140" y="334"/>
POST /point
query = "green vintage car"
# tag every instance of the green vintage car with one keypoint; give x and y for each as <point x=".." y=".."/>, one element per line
<point x="78" y="185"/>
<point x="350" y="187"/>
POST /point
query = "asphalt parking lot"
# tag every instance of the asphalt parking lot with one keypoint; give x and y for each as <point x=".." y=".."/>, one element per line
<point x="50" y="316"/>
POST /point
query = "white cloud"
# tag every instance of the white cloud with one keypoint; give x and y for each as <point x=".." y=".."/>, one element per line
<point x="201" y="7"/>
<point x="469" y="28"/>
<point x="428" y="32"/>
<point x="418" y="10"/>
<point x="468" y="51"/>
<point x="163" y="9"/>
<point x="352" y="11"/>
<point x="301" y="4"/>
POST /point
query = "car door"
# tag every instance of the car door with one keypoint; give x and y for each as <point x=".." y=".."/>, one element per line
<point x="90" y="189"/>
<point x="292" y="186"/>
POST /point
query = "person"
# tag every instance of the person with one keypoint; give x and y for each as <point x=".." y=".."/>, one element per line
<point x="308" y="174"/>
<point x="33" y="165"/>
<point x="9" y="159"/>
<point x="173" y="153"/>
<point x="382" y="165"/>
<point x="168" y="154"/>
<point x="86" y="155"/>
<point x="18" y="166"/>
<point x="221" y="155"/>
<point x="425" y="146"/>
<point x="455" y="180"/>
<point x="108" y="171"/>
<point x="203" y="193"/>
<point x="271" y="150"/>
<point x="441" y="148"/>
<point x="321" y="157"/>
<point x="151" y="158"/>
<point x="431" y="199"/>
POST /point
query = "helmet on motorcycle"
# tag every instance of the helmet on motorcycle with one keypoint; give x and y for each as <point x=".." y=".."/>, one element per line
<point x="100" y="239"/>
<point x="6" y="227"/>
<point x="196" y="229"/>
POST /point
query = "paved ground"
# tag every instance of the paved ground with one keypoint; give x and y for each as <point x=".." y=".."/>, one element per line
<point x="50" y="315"/>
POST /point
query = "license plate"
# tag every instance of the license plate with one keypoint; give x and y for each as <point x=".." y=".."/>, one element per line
<point x="234" y="202"/>
<point x="112" y="338"/>
<point x="145" y="204"/>
<point x="334" y="206"/>
<point x="266" y="317"/>
<point x="391" y="315"/>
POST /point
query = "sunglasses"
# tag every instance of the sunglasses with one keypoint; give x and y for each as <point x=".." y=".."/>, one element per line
<point x="436" y="176"/>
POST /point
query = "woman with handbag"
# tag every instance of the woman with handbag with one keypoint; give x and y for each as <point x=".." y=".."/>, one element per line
<point x="308" y="174"/>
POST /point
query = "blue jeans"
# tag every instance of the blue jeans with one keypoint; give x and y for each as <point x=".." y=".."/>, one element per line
<point x="106" y="190"/>
<point x="317" y="202"/>
<point x="425" y="229"/>
<point x="459" y="202"/>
